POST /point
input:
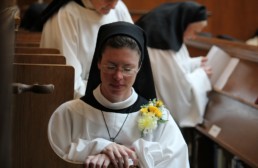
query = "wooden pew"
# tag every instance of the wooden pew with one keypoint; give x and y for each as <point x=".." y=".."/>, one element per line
<point x="32" y="111"/>
<point x="27" y="39"/>
<point x="27" y="36"/>
<point x="201" y="46"/>
<point x="236" y="123"/>
<point x="231" y="117"/>
<point x="36" y="50"/>
<point x="26" y="44"/>
<point x="25" y="53"/>
<point x="40" y="58"/>
<point x="27" y="50"/>
<point x="38" y="89"/>
<point x="245" y="71"/>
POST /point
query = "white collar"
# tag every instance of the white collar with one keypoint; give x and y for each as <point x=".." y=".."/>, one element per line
<point x="116" y="106"/>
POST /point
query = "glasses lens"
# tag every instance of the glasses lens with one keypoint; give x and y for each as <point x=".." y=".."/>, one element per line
<point x="111" y="69"/>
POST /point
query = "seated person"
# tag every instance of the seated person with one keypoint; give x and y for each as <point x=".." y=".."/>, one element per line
<point x="109" y="126"/>
<point x="32" y="15"/>
<point x="181" y="82"/>
<point x="72" y="26"/>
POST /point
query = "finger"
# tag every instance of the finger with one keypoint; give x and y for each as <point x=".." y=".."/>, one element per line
<point x="204" y="59"/>
<point x="88" y="161"/>
<point x="134" y="158"/>
<point x="119" y="154"/>
<point x="123" y="161"/>
<point x="127" y="154"/>
<point x="99" y="161"/>
<point x="109" y="151"/>
<point x="103" y="161"/>
<point x="113" y="159"/>
<point x="120" y="163"/>
<point x="106" y="163"/>
<point x="93" y="162"/>
<point x="208" y="70"/>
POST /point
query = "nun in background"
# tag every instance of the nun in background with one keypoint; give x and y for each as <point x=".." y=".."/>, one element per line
<point x="181" y="82"/>
<point x="72" y="26"/>
<point x="32" y="15"/>
<point x="109" y="126"/>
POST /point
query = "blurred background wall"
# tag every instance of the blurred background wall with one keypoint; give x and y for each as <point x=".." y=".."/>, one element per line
<point x="236" y="18"/>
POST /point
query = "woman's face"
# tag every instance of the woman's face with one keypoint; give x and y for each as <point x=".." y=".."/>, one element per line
<point x="118" y="70"/>
<point x="104" y="6"/>
<point x="193" y="29"/>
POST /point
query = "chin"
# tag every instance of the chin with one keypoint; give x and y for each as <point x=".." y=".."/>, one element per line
<point x="117" y="90"/>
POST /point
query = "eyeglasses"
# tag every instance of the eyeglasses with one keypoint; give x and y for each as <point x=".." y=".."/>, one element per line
<point x="111" y="69"/>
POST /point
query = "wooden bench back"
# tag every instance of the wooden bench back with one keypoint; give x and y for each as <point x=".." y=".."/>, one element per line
<point x="32" y="111"/>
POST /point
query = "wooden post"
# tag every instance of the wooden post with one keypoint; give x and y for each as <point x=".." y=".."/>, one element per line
<point x="7" y="12"/>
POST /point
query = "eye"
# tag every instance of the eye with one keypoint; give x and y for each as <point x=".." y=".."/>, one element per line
<point x="127" y="69"/>
<point x="111" y="67"/>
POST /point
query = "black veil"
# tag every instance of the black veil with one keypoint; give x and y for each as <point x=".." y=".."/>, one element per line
<point x="144" y="84"/>
<point x="50" y="10"/>
<point x="165" y="24"/>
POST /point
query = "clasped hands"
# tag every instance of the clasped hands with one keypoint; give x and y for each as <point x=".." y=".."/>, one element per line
<point x="113" y="156"/>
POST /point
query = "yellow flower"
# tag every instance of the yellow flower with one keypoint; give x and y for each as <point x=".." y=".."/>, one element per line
<point x="147" y="123"/>
<point x="151" y="115"/>
<point x="156" y="111"/>
<point x="159" y="103"/>
<point x="144" y="110"/>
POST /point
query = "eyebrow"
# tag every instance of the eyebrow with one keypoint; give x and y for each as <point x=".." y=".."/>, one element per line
<point x="110" y="62"/>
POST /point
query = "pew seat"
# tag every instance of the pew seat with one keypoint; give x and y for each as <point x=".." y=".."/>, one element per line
<point x="32" y="111"/>
<point x="233" y="125"/>
<point x="36" y="50"/>
<point x="231" y="115"/>
<point x="40" y="58"/>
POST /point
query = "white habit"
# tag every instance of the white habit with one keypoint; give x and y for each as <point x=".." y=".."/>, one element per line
<point x="77" y="130"/>
<point x="73" y="30"/>
<point x="181" y="84"/>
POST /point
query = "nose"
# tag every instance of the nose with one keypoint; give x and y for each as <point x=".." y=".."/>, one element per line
<point x="118" y="75"/>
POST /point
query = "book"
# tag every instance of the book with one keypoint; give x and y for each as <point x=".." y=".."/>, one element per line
<point x="222" y="65"/>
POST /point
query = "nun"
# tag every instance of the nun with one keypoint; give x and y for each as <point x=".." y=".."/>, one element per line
<point x="72" y="26"/>
<point x="119" y="122"/>
<point x="181" y="81"/>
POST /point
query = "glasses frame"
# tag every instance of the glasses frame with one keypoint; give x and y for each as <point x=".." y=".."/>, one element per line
<point x="112" y="69"/>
